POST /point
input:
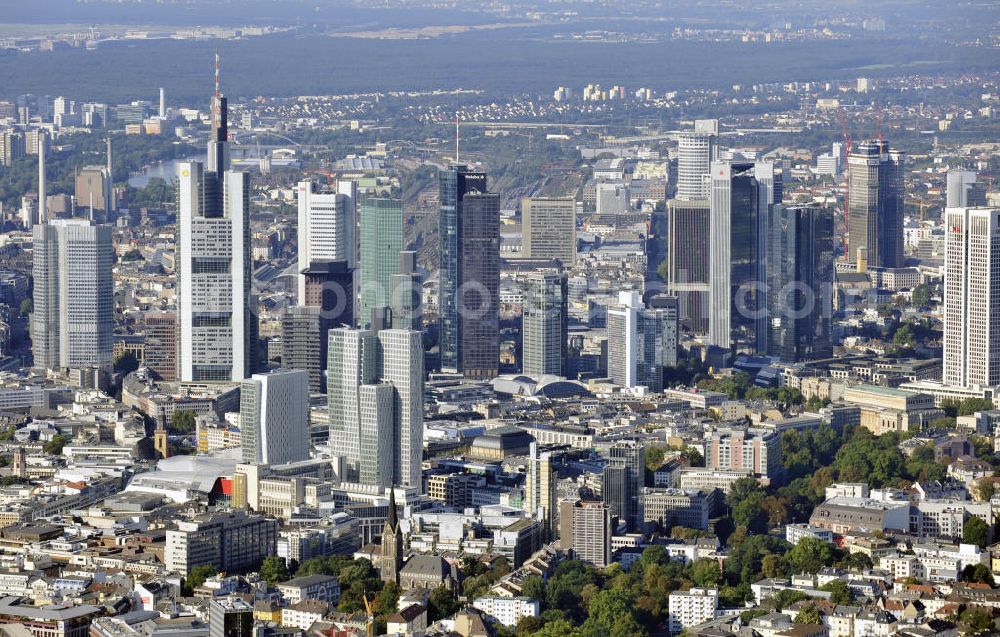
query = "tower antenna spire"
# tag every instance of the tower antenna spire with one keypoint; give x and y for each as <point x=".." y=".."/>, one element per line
<point x="456" y="137"/>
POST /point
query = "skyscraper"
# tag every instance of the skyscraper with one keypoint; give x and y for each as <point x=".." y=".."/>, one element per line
<point x="326" y="228"/>
<point x="695" y="152"/>
<point x="301" y="344"/>
<point x="469" y="292"/>
<point x="230" y="617"/>
<point x="875" y="205"/>
<point x="381" y="244"/>
<point x="641" y="341"/>
<point x="218" y="142"/>
<point x="623" y="479"/>
<point x="688" y="263"/>
<point x="216" y="309"/>
<point x="407" y="297"/>
<point x="93" y="189"/>
<point x="657" y="332"/>
<point x="734" y="276"/>
<point x="540" y="490"/>
<point x="73" y="319"/>
<point x="623" y="340"/>
<point x="964" y="190"/>
<point x="585" y="528"/>
<point x="800" y="282"/>
<point x="375" y="394"/>
<point x="972" y="297"/>
<point x="548" y="229"/>
<point x="274" y="417"/>
<point x="160" y="351"/>
<point x="544" y="324"/>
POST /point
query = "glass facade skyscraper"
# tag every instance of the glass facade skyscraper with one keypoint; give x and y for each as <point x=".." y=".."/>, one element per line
<point x="469" y="291"/>
<point x="381" y="244"/>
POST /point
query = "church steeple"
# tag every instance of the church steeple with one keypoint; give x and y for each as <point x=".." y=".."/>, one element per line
<point x="391" y="560"/>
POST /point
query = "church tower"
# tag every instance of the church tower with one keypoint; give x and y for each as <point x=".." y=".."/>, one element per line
<point x="391" y="561"/>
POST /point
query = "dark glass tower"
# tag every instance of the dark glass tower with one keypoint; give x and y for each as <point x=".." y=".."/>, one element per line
<point x="470" y="273"/>
<point x="736" y="291"/>
<point x="800" y="282"/>
<point x="875" y="205"/>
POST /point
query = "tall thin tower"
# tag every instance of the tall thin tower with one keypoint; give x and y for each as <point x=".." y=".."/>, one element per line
<point x="43" y="214"/>
<point x="218" y="146"/>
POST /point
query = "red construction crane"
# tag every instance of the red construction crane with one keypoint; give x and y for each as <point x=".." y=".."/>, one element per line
<point x="846" y="134"/>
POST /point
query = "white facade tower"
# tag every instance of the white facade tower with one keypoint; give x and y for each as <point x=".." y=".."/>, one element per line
<point x="972" y="297"/>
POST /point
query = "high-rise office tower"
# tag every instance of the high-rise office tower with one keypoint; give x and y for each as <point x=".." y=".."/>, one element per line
<point x="544" y="324"/>
<point x="964" y="190"/>
<point x="93" y="189"/>
<point x="548" y="229"/>
<point x="736" y="290"/>
<point x="623" y="340"/>
<point x="381" y="244"/>
<point x="375" y="394"/>
<point x="274" y="417"/>
<point x="326" y="230"/>
<point x="73" y="319"/>
<point x="641" y="341"/>
<point x="230" y="617"/>
<point x="218" y="142"/>
<point x="622" y="482"/>
<point x="688" y="223"/>
<point x="407" y="294"/>
<point x="972" y="297"/>
<point x="301" y="347"/>
<point x="540" y="490"/>
<point x="43" y="214"/>
<point x="695" y="152"/>
<point x="160" y="349"/>
<point x="585" y="529"/>
<point x="12" y="147"/>
<point x="216" y="309"/>
<point x="469" y="292"/>
<point x="800" y="282"/>
<point x="657" y="331"/>
<point x="875" y="205"/>
<point x="163" y="103"/>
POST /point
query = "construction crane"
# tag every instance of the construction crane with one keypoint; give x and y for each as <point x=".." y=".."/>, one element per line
<point x="370" y="623"/>
<point x="846" y="134"/>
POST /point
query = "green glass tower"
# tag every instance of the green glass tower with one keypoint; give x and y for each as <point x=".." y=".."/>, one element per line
<point x="381" y="243"/>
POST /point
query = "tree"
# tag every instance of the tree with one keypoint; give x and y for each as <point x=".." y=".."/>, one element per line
<point x="705" y="573"/>
<point x="528" y="626"/>
<point x="810" y="555"/>
<point x="54" y="447"/>
<point x="442" y="604"/>
<point x="976" y="531"/>
<point x="654" y="458"/>
<point x="773" y="566"/>
<point x="27" y="307"/>
<point x="921" y="295"/>
<point x="809" y="615"/>
<point x="274" y="570"/>
<point x="533" y="587"/>
<point x="785" y="598"/>
<point x="746" y="498"/>
<point x="612" y="611"/>
<point x="183" y="421"/>
<point x="978" y="619"/>
<point x="196" y="578"/>
<point x="840" y="593"/>
<point x="979" y="573"/>
<point x="970" y="406"/>
<point x="558" y="628"/>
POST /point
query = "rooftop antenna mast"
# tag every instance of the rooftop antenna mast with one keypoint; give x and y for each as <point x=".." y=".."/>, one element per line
<point x="456" y="138"/>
